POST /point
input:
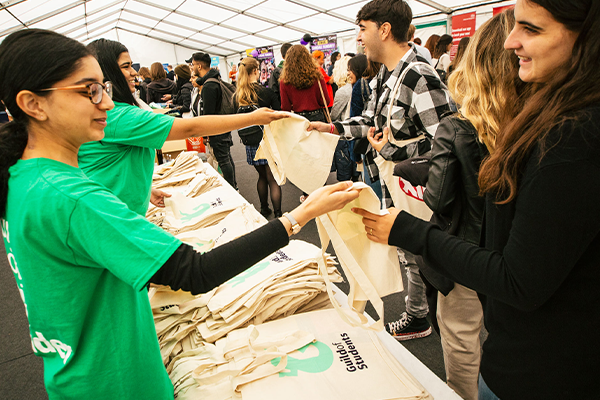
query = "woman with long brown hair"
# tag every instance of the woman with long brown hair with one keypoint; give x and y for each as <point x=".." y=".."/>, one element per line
<point x="251" y="94"/>
<point x="160" y="85"/>
<point x="460" y="52"/>
<point x="302" y="87"/>
<point x="539" y="266"/>
<point x="431" y="43"/>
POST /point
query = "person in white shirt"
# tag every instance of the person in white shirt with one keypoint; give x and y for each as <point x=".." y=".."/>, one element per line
<point x="441" y="56"/>
<point x="422" y="51"/>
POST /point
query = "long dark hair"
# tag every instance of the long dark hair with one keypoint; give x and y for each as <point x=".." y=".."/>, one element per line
<point x="358" y="65"/>
<point x="571" y="89"/>
<point x="441" y="46"/>
<point x="30" y="59"/>
<point x="107" y="53"/>
<point x="460" y="52"/>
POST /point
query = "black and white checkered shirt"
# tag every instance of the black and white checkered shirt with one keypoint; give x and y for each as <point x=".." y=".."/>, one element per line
<point x="417" y="108"/>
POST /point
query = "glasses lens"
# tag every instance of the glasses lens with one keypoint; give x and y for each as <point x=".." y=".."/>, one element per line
<point x="108" y="87"/>
<point x="96" y="93"/>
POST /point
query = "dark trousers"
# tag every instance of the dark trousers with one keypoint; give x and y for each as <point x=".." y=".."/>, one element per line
<point x="221" y="146"/>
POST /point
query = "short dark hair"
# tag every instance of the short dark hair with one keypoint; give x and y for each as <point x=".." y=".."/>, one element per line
<point x="202" y="58"/>
<point x="284" y="49"/>
<point x="395" y="12"/>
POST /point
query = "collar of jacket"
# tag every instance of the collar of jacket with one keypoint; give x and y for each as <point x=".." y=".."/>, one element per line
<point x="212" y="73"/>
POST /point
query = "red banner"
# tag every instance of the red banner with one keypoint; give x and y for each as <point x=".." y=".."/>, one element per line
<point x="498" y="10"/>
<point x="463" y="25"/>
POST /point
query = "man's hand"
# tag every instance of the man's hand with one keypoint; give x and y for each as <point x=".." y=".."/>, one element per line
<point x="321" y="127"/>
<point x="166" y="97"/>
<point x="157" y="197"/>
<point x="377" y="140"/>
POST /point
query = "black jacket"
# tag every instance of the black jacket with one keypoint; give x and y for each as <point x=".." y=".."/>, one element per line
<point x="157" y="89"/>
<point x="452" y="189"/>
<point x="210" y="96"/>
<point x="183" y="98"/>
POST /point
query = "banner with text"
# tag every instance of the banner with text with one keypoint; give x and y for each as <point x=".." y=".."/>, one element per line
<point x="266" y="58"/>
<point x="463" y="25"/>
<point x="327" y="44"/>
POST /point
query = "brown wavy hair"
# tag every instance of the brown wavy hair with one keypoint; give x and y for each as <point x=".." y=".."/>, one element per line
<point x="572" y="88"/>
<point x="299" y="69"/>
<point x="245" y="91"/>
<point x="486" y="83"/>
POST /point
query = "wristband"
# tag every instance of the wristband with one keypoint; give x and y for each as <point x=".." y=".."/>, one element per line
<point x="332" y="128"/>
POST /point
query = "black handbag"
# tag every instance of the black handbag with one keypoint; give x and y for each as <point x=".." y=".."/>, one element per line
<point x="251" y="135"/>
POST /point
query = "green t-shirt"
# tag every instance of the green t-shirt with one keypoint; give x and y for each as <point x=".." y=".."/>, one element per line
<point x="124" y="160"/>
<point x="81" y="259"/>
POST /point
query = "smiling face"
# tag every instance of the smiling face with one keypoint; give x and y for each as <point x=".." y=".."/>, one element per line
<point x="368" y="35"/>
<point x="126" y="66"/>
<point x="351" y="77"/>
<point x="70" y="115"/>
<point x="542" y="44"/>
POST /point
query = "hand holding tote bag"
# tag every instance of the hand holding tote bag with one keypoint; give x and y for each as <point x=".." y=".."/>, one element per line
<point x="372" y="269"/>
<point x="303" y="156"/>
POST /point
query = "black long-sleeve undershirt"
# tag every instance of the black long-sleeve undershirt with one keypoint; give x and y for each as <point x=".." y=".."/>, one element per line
<point x="199" y="273"/>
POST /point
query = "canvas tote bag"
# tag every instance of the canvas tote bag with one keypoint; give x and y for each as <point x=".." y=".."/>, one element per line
<point x="304" y="157"/>
<point x="343" y="363"/>
<point x="372" y="269"/>
<point x="405" y="196"/>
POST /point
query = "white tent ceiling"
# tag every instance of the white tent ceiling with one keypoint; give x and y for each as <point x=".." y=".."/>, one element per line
<point x="219" y="27"/>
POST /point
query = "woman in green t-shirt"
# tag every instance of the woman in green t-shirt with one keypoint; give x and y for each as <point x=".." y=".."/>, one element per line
<point x="81" y="258"/>
<point x="124" y="160"/>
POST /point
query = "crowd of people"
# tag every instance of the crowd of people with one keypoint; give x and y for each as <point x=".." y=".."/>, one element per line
<point x="507" y="131"/>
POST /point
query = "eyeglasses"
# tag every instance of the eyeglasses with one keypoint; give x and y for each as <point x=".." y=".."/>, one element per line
<point x="95" y="90"/>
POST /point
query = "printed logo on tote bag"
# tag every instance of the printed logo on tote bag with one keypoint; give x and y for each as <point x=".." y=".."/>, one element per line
<point x="313" y="365"/>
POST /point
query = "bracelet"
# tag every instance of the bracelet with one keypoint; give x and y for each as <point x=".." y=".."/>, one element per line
<point x="332" y="128"/>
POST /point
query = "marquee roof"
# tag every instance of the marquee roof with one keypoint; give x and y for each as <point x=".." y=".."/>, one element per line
<point x="219" y="27"/>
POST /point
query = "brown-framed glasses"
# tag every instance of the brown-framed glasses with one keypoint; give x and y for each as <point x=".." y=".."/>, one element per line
<point x="95" y="90"/>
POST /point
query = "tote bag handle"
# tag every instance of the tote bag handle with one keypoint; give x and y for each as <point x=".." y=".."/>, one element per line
<point x="324" y="102"/>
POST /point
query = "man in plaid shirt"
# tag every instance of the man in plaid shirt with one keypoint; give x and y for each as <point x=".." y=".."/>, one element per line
<point x="416" y="109"/>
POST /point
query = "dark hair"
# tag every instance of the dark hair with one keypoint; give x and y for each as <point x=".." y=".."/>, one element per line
<point x="372" y="69"/>
<point x="572" y="88"/>
<point x="395" y="12"/>
<point x="442" y="46"/>
<point x="284" y="49"/>
<point x="358" y="65"/>
<point x="20" y="55"/>
<point x="417" y="41"/>
<point x="202" y="58"/>
<point x="333" y="57"/>
<point x="107" y="52"/>
<point x="460" y="51"/>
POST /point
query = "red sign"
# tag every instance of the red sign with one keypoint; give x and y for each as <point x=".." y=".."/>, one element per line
<point x="463" y="25"/>
<point x="498" y="10"/>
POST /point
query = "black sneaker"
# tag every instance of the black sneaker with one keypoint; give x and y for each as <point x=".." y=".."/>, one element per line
<point x="278" y="214"/>
<point x="408" y="327"/>
<point x="265" y="212"/>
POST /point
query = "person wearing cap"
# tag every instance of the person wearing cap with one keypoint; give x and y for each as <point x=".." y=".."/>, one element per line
<point x="320" y="57"/>
<point x="183" y="96"/>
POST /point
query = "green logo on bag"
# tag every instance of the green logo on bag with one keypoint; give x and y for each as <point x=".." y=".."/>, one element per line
<point x="199" y="210"/>
<point x="312" y="365"/>
<point x="241" y="278"/>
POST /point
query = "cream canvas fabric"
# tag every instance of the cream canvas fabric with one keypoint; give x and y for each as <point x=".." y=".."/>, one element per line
<point x="372" y="269"/>
<point x="304" y="157"/>
<point x="343" y="363"/>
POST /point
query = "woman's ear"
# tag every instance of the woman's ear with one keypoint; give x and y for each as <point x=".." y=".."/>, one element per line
<point x="32" y="105"/>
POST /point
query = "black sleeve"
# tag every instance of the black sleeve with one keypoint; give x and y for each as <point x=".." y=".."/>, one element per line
<point x="185" y="99"/>
<point x="551" y="231"/>
<point x="444" y="170"/>
<point x="199" y="273"/>
<point x="211" y="97"/>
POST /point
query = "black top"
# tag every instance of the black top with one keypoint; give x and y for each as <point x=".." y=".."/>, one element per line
<point x="157" y="89"/>
<point x="540" y="270"/>
<point x="210" y="96"/>
<point x="199" y="273"/>
<point x="266" y="97"/>
<point x="183" y="98"/>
